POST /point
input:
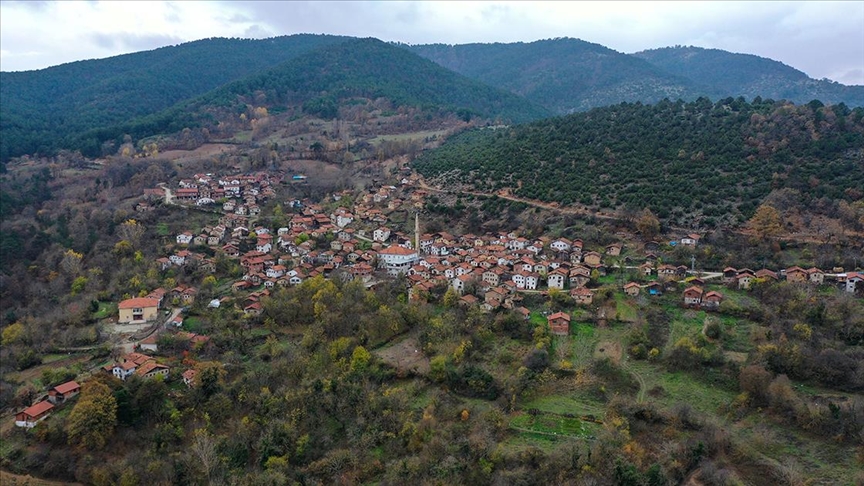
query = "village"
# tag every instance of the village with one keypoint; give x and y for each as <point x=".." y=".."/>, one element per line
<point x="356" y="240"/>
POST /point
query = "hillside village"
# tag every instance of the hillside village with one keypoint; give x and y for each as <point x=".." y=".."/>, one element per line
<point x="356" y="240"/>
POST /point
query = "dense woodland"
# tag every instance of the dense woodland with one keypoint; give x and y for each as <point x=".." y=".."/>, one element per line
<point x="567" y="75"/>
<point x="78" y="105"/>
<point x="49" y="109"/>
<point x="730" y="74"/>
<point x="313" y="72"/>
<point x="698" y="163"/>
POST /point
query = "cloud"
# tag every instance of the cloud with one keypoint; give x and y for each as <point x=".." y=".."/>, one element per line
<point x="823" y="39"/>
<point x="126" y="41"/>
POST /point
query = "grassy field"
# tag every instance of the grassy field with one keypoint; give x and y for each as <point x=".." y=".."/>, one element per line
<point x="554" y="425"/>
<point x="106" y="309"/>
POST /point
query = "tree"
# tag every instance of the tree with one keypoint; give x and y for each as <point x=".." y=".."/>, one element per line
<point x="360" y="359"/>
<point x="94" y="417"/>
<point x="451" y="298"/>
<point x="766" y="222"/>
<point x="648" y="224"/>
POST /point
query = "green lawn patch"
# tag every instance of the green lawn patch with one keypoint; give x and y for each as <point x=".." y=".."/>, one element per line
<point x="567" y="404"/>
<point x="106" y="309"/>
<point x="553" y="425"/>
<point x="624" y="309"/>
<point x="193" y="324"/>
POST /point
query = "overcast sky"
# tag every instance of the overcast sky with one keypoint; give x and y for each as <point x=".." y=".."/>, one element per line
<point x="823" y="39"/>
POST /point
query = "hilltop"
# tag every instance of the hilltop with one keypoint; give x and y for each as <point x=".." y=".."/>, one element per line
<point x="44" y="110"/>
<point x="564" y="75"/>
<point x="567" y="75"/>
<point x="731" y="74"/>
<point x="698" y="163"/>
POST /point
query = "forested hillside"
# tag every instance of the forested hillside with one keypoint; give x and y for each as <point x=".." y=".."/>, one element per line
<point x="729" y="74"/>
<point x="46" y="109"/>
<point x="319" y="81"/>
<point x="567" y="75"/>
<point x="564" y="75"/>
<point x="696" y="163"/>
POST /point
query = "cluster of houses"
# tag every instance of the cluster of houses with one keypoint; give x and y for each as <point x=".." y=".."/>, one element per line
<point x="136" y="363"/>
<point x="488" y="270"/>
<point x="57" y="396"/>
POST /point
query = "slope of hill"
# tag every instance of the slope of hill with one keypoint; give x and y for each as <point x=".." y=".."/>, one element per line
<point x="694" y="163"/>
<point x="42" y="108"/>
<point x="730" y="74"/>
<point x="320" y="80"/>
<point x="564" y="75"/>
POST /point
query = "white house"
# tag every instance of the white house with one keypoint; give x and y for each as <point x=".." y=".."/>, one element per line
<point x="184" y="238"/>
<point x="398" y="259"/>
<point x="556" y="280"/>
<point x="381" y="234"/>
<point x="852" y="280"/>
<point x="561" y="244"/>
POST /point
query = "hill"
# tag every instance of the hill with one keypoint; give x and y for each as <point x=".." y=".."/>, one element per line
<point x="567" y="75"/>
<point x="43" y="109"/>
<point x="564" y="75"/>
<point x="730" y="74"/>
<point x="321" y="81"/>
<point x="696" y="163"/>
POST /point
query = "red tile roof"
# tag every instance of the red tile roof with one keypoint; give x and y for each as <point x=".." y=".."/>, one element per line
<point x="67" y="387"/>
<point x="138" y="302"/>
<point x="38" y="409"/>
<point x="397" y="250"/>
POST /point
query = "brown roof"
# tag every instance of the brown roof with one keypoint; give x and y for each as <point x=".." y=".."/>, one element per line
<point x="38" y="409"/>
<point x="67" y="387"/>
<point x="148" y="367"/>
<point x="559" y="315"/>
<point x="397" y="250"/>
<point x="138" y="302"/>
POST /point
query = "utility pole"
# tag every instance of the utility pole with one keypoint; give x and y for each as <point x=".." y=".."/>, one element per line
<point x="693" y="263"/>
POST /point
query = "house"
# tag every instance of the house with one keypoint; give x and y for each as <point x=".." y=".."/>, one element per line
<point x="151" y="369"/>
<point x="561" y="244"/>
<point x="745" y="280"/>
<point x="632" y="289"/>
<point x="690" y="240"/>
<point x="179" y="258"/>
<point x="729" y="274"/>
<point x="381" y="234"/>
<point x="766" y="274"/>
<point x="556" y="279"/>
<point x="61" y="393"/>
<point x="469" y="300"/>
<point x="398" y="259"/>
<point x="815" y="276"/>
<point x="796" y="275"/>
<point x="712" y="300"/>
<point x="582" y="295"/>
<point x="692" y="296"/>
<point x="138" y="310"/>
<point x="459" y="283"/>
<point x="854" y="281"/>
<point x="29" y="417"/>
<point x="654" y="288"/>
<point x="559" y="323"/>
<point x="184" y="238"/>
<point x="591" y="258"/>
<point x="189" y="378"/>
<point x="646" y="269"/>
<point x="614" y="249"/>
<point x="149" y="344"/>
<point x="579" y="276"/>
